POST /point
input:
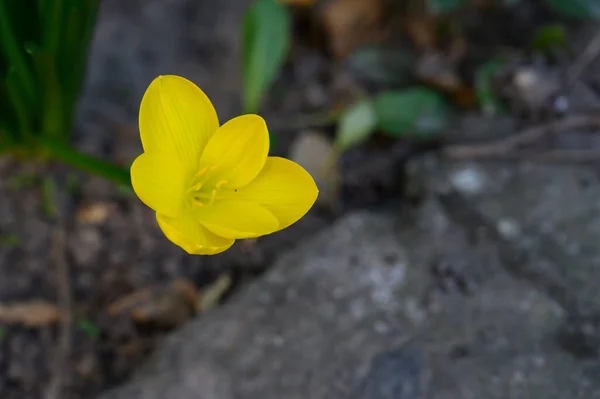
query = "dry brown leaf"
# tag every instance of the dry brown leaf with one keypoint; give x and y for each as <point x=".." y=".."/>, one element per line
<point x="435" y="69"/>
<point x="95" y="212"/>
<point x="465" y="97"/>
<point x="421" y="30"/>
<point x="351" y="23"/>
<point x="30" y="314"/>
<point x="168" y="305"/>
<point x="247" y="244"/>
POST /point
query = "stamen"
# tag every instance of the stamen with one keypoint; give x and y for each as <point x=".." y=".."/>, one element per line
<point x="202" y="171"/>
<point x="222" y="182"/>
<point x="197" y="186"/>
<point x="197" y="202"/>
<point x="213" y="196"/>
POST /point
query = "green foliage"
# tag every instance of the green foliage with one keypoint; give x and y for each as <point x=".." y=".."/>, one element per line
<point x="43" y="54"/>
<point x="356" y="124"/>
<point x="266" y="41"/>
<point x="484" y="88"/>
<point x="549" y="37"/>
<point x="444" y="6"/>
<point x="576" y="8"/>
<point x="415" y="112"/>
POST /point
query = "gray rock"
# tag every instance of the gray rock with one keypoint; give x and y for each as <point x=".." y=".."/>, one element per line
<point x="378" y="306"/>
<point x="550" y="212"/>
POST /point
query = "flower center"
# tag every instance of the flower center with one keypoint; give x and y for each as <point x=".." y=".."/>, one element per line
<point x="206" y="186"/>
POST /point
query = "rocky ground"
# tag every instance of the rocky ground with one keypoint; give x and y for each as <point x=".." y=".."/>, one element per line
<point x="435" y="276"/>
<point x="486" y="287"/>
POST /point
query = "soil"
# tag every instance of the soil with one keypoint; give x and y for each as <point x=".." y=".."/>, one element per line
<point x="58" y="224"/>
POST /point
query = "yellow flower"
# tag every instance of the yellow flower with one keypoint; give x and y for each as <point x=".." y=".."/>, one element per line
<point x="211" y="185"/>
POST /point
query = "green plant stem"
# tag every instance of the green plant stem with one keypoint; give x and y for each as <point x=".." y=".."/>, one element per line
<point x="84" y="162"/>
<point x="15" y="56"/>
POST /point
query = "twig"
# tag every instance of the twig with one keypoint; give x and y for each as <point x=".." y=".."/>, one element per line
<point x="590" y="53"/>
<point x="63" y="349"/>
<point x="503" y="146"/>
<point x="551" y="156"/>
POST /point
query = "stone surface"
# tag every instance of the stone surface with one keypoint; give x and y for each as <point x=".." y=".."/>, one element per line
<point x="398" y="305"/>
<point x="551" y="212"/>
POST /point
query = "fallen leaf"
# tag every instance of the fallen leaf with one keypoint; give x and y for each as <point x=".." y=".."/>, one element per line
<point x="30" y="314"/>
<point x="434" y="69"/>
<point x="316" y="154"/>
<point x="136" y="347"/>
<point x="167" y="305"/>
<point x="421" y="26"/>
<point x="247" y="244"/>
<point x="352" y="23"/>
<point x="95" y="213"/>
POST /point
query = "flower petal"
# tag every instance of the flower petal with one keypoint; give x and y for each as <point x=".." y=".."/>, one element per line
<point x="284" y="188"/>
<point x="235" y="219"/>
<point x="177" y="118"/>
<point x="159" y="181"/>
<point x="238" y="150"/>
<point x="190" y="235"/>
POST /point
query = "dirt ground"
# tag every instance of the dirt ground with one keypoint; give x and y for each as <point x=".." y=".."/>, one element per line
<point x="85" y="261"/>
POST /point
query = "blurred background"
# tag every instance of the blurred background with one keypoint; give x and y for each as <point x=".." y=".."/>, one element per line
<point x="452" y="253"/>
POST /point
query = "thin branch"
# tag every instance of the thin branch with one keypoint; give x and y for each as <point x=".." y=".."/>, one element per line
<point x="590" y="53"/>
<point x="529" y="135"/>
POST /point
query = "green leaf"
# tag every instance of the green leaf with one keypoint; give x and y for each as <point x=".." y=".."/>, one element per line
<point x="486" y="95"/>
<point x="548" y="37"/>
<point x="416" y="112"/>
<point x="356" y="124"/>
<point x="576" y="8"/>
<point x="14" y="53"/>
<point x="444" y="6"/>
<point x="19" y="105"/>
<point x="84" y="162"/>
<point x="266" y="40"/>
<point x="52" y="124"/>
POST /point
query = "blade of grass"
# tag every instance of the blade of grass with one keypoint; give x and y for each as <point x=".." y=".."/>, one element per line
<point x="15" y="56"/>
<point x="84" y="162"/>
<point x="81" y="22"/>
<point x="19" y="105"/>
<point x="52" y="123"/>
